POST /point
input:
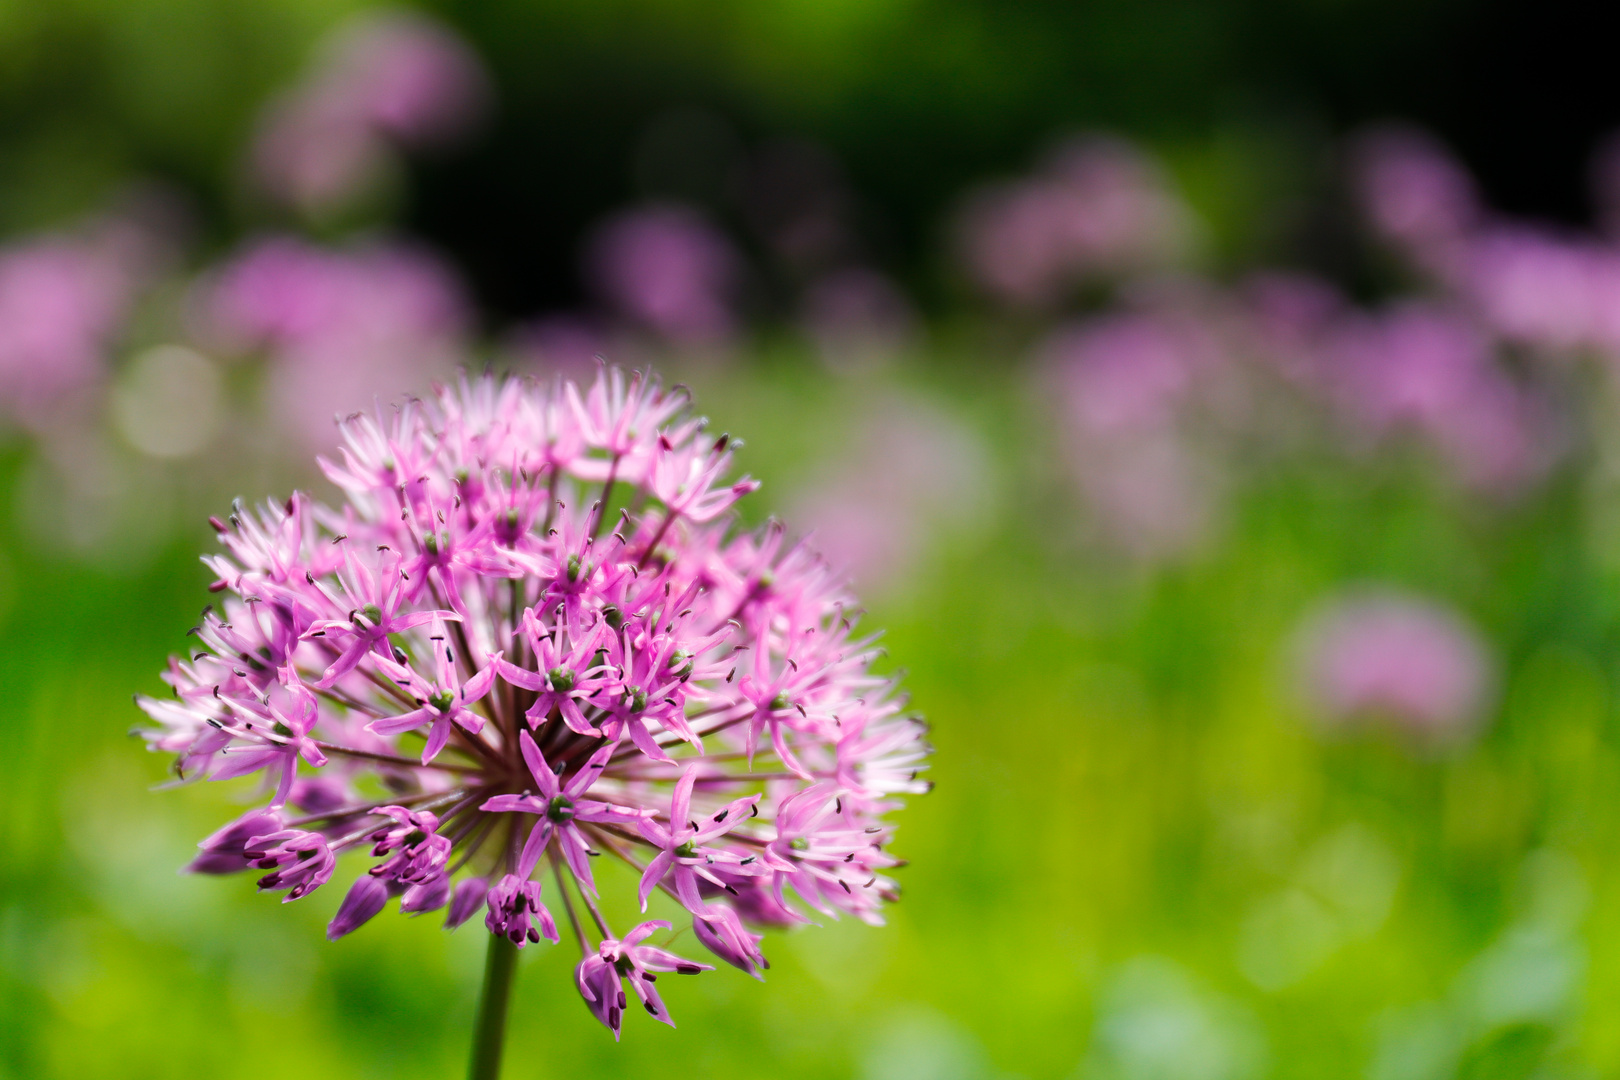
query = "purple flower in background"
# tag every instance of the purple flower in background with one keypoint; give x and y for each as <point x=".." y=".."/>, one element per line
<point x="316" y="158"/>
<point x="535" y="681"/>
<point x="1430" y="370"/>
<point x="1096" y="208"/>
<point x="1545" y="290"/>
<point x="386" y="78"/>
<point x="1395" y="658"/>
<point x="292" y="295"/>
<point x="665" y="268"/>
<point x="336" y="323"/>
<point x="876" y="523"/>
<point x="1127" y="373"/>
<point x="62" y="302"/>
<point x="1415" y="194"/>
<point x="1124" y="386"/>
<point x="405" y="75"/>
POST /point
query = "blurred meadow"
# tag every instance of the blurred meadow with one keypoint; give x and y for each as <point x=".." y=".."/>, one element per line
<point x="1217" y="404"/>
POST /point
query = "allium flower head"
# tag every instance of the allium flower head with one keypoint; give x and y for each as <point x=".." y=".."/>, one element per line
<point x="61" y="302"/>
<point x="1125" y="385"/>
<point x="1425" y="368"/>
<point x="1404" y="660"/>
<point x="1097" y="208"/>
<point x="539" y="679"/>
<point x="383" y="79"/>
<point x="667" y="269"/>
<point x="1415" y="193"/>
<point x="335" y="323"/>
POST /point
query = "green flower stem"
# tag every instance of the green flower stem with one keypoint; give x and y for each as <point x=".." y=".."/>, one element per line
<point x="491" y="1030"/>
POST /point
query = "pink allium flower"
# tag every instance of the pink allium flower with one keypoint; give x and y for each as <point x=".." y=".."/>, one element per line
<point x="336" y="323"/>
<point x="1552" y="292"/>
<point x="386" y="77"/>
<point x="599" y="976"/>
<point x="1096" y="208"/>
<point x="1431" y="370"/>
<point x="1399" y="659"/>
<point x="1413" y="191"/>
<point x="665" y="268"/>
<point x="875" y="524"/>
<point x="537" y="677"/>
<point x="61" y="303"/>
<point x="1124" y="386"/>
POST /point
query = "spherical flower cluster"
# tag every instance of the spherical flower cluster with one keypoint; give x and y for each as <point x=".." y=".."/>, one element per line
<point x="530" y="638"/>
<point x="1408" y="661"/>
<point x="384" y="81"/>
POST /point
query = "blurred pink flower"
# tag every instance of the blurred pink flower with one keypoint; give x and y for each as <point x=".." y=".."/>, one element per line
<point x="1097" y="207"/>
<point x="1432" y="371"/>
<point x="387" y="77"/>
<point x="1124" y="386"/>
<point x="336" y="323"/>
<point x="1405" y="660"/>
<point x="1556" y="292"/>
<point x="317" y="158"/>
<point x="62" y="302"/>
<point x="665" y="268"/>
<point x="1414" y="193"/>
<point x="1285" y="318"/>
<point x="407" y="76"/>
<point x="1553" y="293"/>
<point x="909" y="474"/>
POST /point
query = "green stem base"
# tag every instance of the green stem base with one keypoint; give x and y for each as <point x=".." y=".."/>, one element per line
<point x="490" y="1033"/>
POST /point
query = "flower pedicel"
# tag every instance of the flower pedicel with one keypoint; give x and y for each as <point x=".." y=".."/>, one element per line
<point x="487" y="673"/>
